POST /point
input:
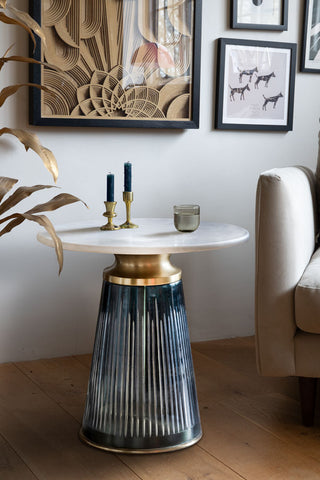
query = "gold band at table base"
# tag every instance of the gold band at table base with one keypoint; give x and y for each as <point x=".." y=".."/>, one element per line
<point x="142" y="270"/>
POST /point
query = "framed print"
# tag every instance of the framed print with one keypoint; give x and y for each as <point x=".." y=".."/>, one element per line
<point x="255" y="85"/>
<point x="259" y="14"/>
<point x="310" y="53"/>
<point x="119" y="63"/>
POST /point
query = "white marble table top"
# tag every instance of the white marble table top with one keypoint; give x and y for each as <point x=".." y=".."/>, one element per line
<point x="154" y="236"/>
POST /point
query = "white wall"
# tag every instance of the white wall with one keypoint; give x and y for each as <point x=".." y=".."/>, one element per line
<point x="43" y="315"/>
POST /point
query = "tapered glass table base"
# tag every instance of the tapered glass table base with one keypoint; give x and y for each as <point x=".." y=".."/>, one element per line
<point x="141" y="393"/>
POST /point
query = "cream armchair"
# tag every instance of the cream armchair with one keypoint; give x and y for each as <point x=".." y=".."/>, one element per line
<point x="287" y="307"/>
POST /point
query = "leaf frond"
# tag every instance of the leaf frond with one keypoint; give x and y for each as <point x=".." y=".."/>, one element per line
<point x="6" y="92"/>
<point x="12" y="21"/>
<point x="43" y="221"/>
<point x="29" y="22"/>
<point x="30" y="140"/>
<point x="56" y="202"/>
<point x="6" y="185"/>
<point x="20" y="194"/>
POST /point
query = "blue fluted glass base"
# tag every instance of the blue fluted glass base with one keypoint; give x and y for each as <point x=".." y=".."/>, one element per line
<point x="141" y="393"/>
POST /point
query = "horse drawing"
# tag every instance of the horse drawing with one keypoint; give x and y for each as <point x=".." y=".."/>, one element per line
<point x="273" y="100"/>
<point x="263" y="78"/>
<point x="247" y="72"/>
<point x="239" y="90"/>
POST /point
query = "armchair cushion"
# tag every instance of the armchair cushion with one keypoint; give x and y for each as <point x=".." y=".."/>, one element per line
<point x="307" y="297"/>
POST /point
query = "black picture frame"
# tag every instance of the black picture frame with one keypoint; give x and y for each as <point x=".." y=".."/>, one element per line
<point x="185" y="103"/>
<point x="255" y="85"/>
<point x="253" y="19"/>
<point x="310" y="52"/>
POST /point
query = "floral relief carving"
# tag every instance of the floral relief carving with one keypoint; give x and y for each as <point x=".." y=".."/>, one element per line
<point x="129" y="59"/>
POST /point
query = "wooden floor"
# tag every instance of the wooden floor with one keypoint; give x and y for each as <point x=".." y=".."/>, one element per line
<point x="251" y="425"/>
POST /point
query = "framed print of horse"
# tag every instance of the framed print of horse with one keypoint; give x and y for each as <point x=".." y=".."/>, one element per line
<point x="255" y="85"/>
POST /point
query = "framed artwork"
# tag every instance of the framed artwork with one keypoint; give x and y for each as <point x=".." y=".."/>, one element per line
<point x="255" y="85"/>
<point x="310" y="53"/>
<point x="119" y="63"/>
<point x="259" y="14"/>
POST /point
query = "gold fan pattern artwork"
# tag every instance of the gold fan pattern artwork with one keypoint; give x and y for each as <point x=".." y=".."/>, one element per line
<point x="128" y="59"/>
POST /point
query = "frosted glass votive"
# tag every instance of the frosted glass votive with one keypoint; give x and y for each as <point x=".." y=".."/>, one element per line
<point x="186" y="217"/>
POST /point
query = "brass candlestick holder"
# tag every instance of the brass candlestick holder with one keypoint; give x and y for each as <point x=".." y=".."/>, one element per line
<point x="110" y="207"/>
<point x="128" y="199"/>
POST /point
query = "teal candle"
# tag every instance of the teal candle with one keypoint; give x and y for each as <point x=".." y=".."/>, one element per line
<point x="110" y="187"/>
<point x="128" y="177"/>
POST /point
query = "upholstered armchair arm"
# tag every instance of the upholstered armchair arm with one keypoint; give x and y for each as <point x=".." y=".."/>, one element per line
<point x="286" y="225"/>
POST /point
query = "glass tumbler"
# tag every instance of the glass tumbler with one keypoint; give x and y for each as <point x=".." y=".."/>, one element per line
<point x="186" y="217"/>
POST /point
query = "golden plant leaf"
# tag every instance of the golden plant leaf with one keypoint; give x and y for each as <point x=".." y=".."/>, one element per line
<point x="2" y="62"/>
<point x="8" y="50"/>
<point x="6" y="184"/>
<point x="3" y="3"/>
<point x="48" y="159"/>
<point x="56" y="202"/>
<point x="12" y="21"/>
<point x="12" y="89"/>
<point x="29" y="22"/>
<point x="18" y="218"/>
<point x="18" y="58"/>
<point x="20" y="194"/>
<point x="30" y="140"/>
<point x="14" y="223"/>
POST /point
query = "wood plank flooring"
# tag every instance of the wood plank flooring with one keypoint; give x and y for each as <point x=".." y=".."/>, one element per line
<point x="251" y="425"/>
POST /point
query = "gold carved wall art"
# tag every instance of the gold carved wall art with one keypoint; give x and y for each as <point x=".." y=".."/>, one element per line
<point x="126" y="63"/>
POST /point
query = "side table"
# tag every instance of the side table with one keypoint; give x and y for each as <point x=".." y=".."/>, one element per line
<point x="141" y="393"/>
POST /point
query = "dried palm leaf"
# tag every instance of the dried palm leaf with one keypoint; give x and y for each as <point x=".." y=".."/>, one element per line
<point x="12" y="89"/>
<point x="14" y="223"/>
<point x="18" y="58"/>
<point x="6" y="184"/>
<point x="11" y="21"/>
<point x="18" y="218"/>
<point x="29" y="22"/>
<point x="30" y="140"/>
<point x="20" y="194"/>
<point x="53" y="204"/>
<point x="8" y="50"/>
<point x="56" y="202"/>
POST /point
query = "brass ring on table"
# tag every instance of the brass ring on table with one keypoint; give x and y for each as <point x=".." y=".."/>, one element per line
<point x="142" y="270"/>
